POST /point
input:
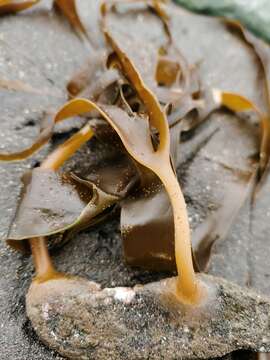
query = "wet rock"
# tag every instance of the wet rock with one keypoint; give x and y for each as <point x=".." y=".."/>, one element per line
<point x="81" y="321"/>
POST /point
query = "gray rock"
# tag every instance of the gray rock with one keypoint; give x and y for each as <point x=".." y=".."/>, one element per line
<point x="81" y="321"/>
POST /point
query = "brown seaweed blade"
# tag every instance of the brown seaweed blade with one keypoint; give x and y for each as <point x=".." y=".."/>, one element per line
<point x="52" y="202"/>
<point x="148" y="235"/>
<point x="13" y="6"/>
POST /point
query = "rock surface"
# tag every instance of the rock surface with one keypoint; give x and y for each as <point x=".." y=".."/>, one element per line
<point x="81" y="321"/>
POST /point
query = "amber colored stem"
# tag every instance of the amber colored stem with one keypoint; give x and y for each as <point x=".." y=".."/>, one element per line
<point x="57" y="158"/>
<point x="188" y="287"/>
<point x="42" y="261"/>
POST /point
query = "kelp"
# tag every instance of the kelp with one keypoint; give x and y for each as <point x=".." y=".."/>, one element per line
<point x="59" y="202"/>
<point x="77" y="86"/>
<point x="104" y="79"/>
<point x="164" y="61"/>
<point x="67" y="204"/>
<point x="140" y="147"/>
<point x="148" y="235"/>
<point x="133" y="100"/>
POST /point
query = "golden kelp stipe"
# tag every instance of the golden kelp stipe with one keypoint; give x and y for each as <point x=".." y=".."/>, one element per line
<point x="68" y="148"/>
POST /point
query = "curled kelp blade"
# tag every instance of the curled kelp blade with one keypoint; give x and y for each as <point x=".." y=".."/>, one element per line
<point x="167" y="71"/>
<point x="160" y="67"/>
<point x="116" y="175"/>
<point x="132" y="130"/>
<point x="13" y="6"/>
<point x="156" y="115"/>
<point x="52" y="202"/>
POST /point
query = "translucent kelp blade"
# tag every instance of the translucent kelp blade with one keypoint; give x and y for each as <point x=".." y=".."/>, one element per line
<point x="53" y="202"/>
<point x="115" y="176"/>
<point x="69" y="9"/>
<point x="13" y="6"/>
<point x="216" y="227"/>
